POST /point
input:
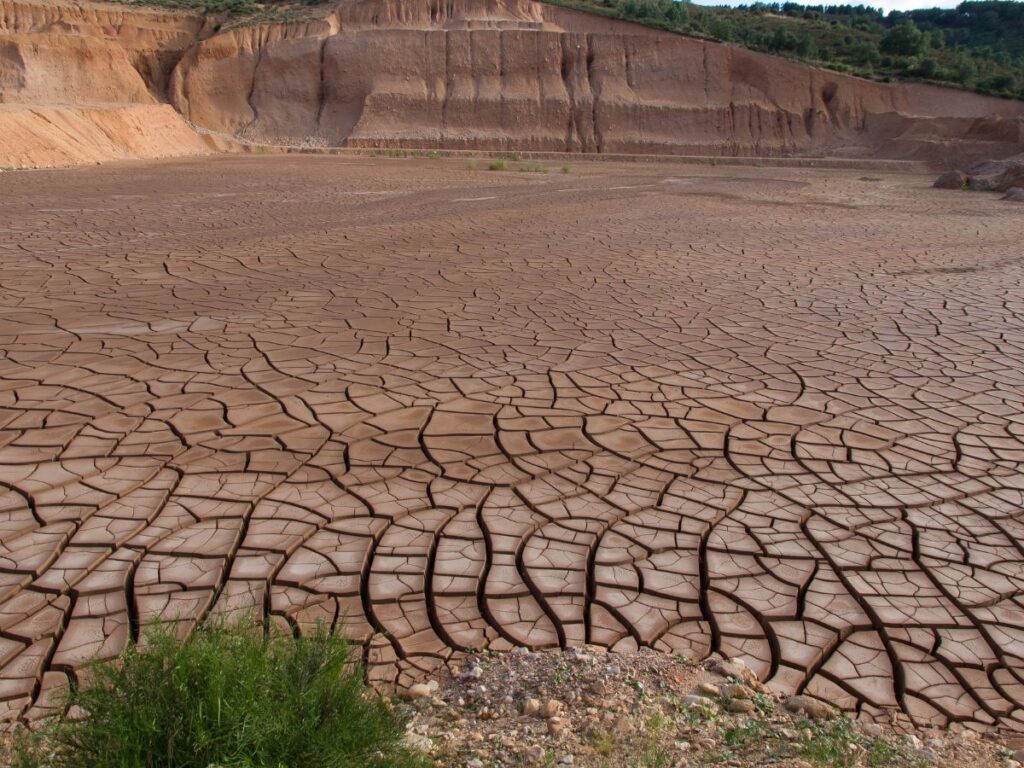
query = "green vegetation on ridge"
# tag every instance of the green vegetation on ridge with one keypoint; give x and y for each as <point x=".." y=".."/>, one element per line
<point x="977" y="45"/>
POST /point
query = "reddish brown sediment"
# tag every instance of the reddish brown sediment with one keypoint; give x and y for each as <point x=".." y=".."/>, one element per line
<point x="773" y="413"/>
<point x="469" y="74"/>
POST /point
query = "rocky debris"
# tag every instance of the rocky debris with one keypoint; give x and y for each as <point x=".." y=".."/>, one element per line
<point x="988" y="176"/>
<point x="1016" y="194"/>
<point x="951" y="180"/>
<point x="735" y="668"/>
<point x="590" y="707"/>
<point x="812" y="708"/>
<point x="997" y="175"/>
<point x="418" y="691"/>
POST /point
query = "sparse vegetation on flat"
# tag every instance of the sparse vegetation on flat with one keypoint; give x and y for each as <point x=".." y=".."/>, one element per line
<point x="230" y="698"/>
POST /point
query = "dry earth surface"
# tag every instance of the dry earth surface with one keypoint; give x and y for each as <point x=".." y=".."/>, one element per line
<point x="773" y="414"/>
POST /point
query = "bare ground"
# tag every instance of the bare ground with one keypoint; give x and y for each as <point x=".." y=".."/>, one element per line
<point x="769" y="413"/>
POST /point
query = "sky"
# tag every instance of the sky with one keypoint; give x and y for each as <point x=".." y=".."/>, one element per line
<point x="888" y="5"/>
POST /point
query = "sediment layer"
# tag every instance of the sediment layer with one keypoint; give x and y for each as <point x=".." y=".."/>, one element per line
<point x="481" y="74"/>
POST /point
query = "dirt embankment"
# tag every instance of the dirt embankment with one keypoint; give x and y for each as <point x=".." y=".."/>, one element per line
<point x="83" y="83"/>
<point x="466" y="74"/>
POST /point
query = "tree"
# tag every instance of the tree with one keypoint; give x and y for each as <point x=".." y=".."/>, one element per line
<point x="928" y="67"/>
<point x="903" y="40"/>
<point x="1001" y="83"/>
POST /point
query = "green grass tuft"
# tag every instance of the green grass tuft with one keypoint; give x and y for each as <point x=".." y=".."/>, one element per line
<point x="229" y="698"/>
<point x="498" y="165"/>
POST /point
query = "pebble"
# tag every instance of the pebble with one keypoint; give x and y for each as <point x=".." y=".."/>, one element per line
<point x="534" y="754"/>
<point x="912" y="741"/>
<point x="418" y="691"/>
<point x="709" y="689"/>
<point x="531" y="707"/>
<point x="874" y="730"/>
<point x="475" y="763"/>
<point x="731" y="691"/>
<point x="550" y="709"/>
<point x="740" y="706"/>
<point x="567" y="759"/>
<point x="472" y="673"/>
<point x="555" y="726"/>
<point x="735" y="668"/>
<point x="418" y="742"/>
<point x="805" y="705"/>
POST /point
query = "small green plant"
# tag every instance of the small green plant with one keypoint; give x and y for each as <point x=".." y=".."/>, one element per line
<point x="566" y="168"/>
<point x="498" y="165"/>
<point x="653" y="753"/>
<point x="882" y="754"/>
<point x="745" y="735"/>
<point x="534" y="168"/>
<point x="764" y="703"/>
<point x="516" y="156"/>
<point x="698" y="715"/>
<point x="603" y="743"/>
<point x="831" y="744"/>
<point x="225" y="697"/>
<point x="471" y="165"/>
<point x="433" y="155"/>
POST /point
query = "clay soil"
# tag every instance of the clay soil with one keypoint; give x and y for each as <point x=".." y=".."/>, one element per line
<point x="775" y="414"/>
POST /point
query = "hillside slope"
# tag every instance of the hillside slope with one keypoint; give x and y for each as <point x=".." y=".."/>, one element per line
<point x="474" y="74"/>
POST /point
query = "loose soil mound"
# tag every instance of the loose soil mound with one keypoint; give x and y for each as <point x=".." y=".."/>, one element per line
<point x="32" y="137"/>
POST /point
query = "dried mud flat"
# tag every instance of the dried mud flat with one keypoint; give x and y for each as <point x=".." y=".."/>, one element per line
<point x="775" y="414"/>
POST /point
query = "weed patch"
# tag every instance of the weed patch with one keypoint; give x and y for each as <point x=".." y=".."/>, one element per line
<point x="224" y="697"/>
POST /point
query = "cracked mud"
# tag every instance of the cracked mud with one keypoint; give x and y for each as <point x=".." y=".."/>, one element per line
<point x="773" y="413"/>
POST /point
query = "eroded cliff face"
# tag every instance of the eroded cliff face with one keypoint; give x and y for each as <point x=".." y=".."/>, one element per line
<point x="480" y="74"/>
<point x="83" y="83"/>
<point x="483" y="74"/>
<point x="62" y="54"/>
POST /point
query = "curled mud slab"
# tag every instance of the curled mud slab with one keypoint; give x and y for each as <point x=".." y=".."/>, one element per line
<point x="773" y="413"/>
